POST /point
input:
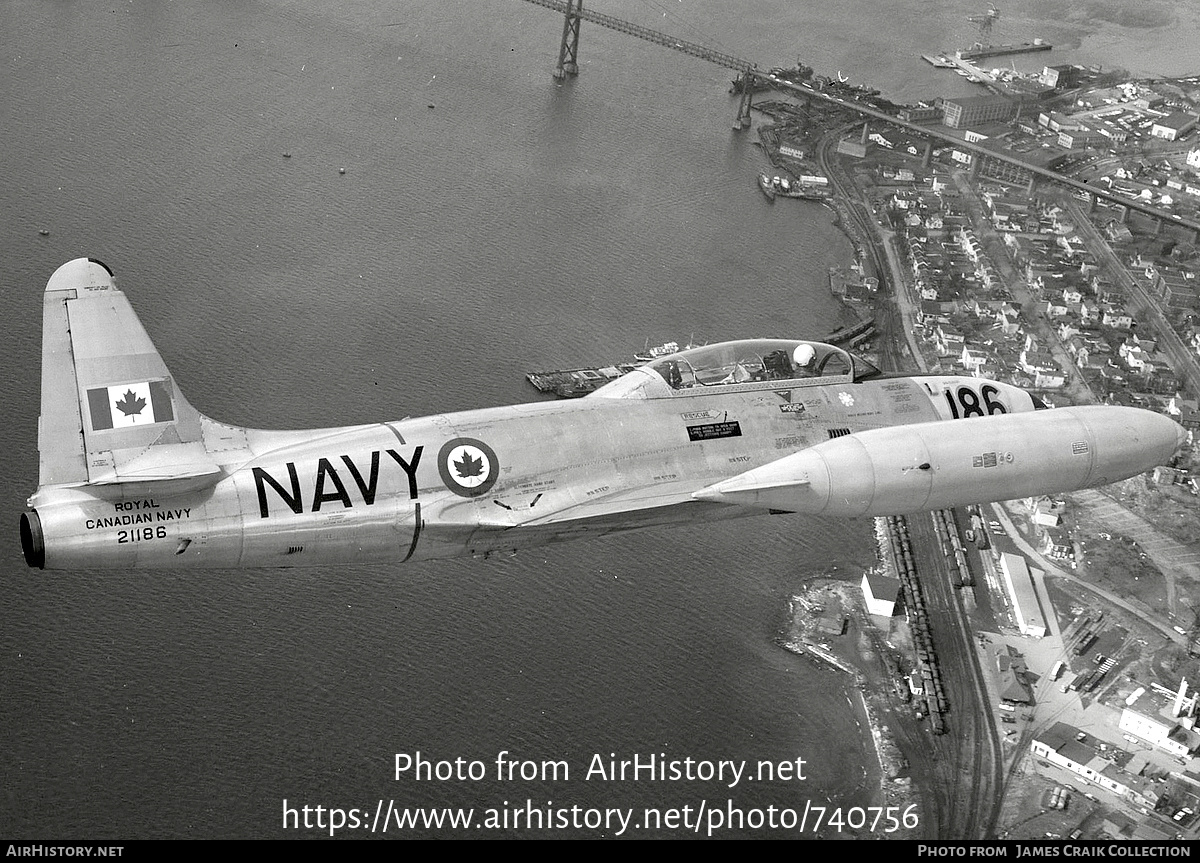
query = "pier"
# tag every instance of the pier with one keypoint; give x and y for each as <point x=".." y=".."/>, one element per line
<point x="982" y="52"/>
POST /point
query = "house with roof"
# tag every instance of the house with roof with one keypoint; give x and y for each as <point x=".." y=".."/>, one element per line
<point x="1056" y="544"/>
<point x="973" y="358"/>
<point x="948" y="340"/>
<point x="1033" y="360"/>
<point x="936" y="312"/>
<point x="1055" y="307"/>
<point x="1116" y="316"/>
<point x="1047" y="511"/>
<point x="1069" y="327"/>
<point x="1134" y="357"/>
<point x="881" y="593"/>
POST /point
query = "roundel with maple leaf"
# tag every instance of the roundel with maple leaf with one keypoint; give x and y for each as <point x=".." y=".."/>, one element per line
<point x="468" y="467"/>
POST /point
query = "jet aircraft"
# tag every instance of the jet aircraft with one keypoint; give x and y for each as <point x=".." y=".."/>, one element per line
<point x="132" y="476"/>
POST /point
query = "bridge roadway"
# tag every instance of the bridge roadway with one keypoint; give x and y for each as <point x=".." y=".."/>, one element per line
<point x="629" y="29"/>
<point x="751" y="69"/>
<point x="959" y="143"/>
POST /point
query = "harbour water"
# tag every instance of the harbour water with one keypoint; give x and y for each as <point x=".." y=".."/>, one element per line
<point x="487" y="222"/>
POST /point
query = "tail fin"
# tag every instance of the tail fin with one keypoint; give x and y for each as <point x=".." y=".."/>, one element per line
<point x="111" y="412"/>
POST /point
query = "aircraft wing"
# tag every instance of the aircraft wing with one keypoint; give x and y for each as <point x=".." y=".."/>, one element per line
<point x="611" y="506"/>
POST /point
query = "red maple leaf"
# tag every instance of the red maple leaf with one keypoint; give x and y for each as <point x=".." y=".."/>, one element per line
<point x="131" y="403"/>
<point x="468" y="466"/>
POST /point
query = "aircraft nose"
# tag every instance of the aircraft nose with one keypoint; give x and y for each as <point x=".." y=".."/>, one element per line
<point x="1150" y="438"/>
<point x="1164" y="435"/>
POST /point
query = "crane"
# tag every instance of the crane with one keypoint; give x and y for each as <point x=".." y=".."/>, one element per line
<point x="984" y="20"/>
<point x="568" y="52"/>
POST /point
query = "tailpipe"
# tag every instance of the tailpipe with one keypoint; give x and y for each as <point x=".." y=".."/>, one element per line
<point x="33" y="542"/>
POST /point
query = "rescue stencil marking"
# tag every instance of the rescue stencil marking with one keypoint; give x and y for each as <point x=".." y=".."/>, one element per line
<point x="709" y="431"/>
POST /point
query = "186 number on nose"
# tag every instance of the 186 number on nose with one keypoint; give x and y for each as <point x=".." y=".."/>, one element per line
<point x="965" y="402"/>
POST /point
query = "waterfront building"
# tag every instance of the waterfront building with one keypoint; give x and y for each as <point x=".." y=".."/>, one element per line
<point x="1173" y="126"/>
<point x="1060" y="77"/>
<point x="1082" y="138"/>
<point x="973" y="110"/>
<point x="921" y="114"/>
<point x="1056" y="122"/>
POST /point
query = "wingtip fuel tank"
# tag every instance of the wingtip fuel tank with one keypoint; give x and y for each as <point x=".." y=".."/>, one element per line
<point x="914" y="468"/>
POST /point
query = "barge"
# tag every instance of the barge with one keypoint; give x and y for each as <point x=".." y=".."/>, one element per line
<point x="573" y="383"/>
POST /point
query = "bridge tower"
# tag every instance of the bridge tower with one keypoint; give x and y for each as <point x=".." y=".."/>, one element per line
<point x="568" y="51"/>
<point x="746" y="102"/>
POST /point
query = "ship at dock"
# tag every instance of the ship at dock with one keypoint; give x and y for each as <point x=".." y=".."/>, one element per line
<point x="767" y="185"/>
<point x="663" y="350"/>
<point x="573" y="383"/>
<point x="807" y="188"/>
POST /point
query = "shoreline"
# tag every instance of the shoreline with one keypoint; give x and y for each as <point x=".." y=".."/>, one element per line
<point x="868" y="678"/>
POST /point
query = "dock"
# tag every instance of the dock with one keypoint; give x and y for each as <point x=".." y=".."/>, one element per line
<point x="981" y="52"/>
<point x="852" y="336"/>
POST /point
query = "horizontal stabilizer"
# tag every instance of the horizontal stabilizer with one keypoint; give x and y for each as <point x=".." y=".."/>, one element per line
<point x="161" y="464"/>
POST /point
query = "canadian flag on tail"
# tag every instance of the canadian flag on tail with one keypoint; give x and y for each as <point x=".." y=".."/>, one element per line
<point x="130" y="404"/>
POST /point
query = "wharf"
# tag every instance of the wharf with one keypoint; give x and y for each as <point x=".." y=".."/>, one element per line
<point x="971" y="72"/>
<point x="980" y="52"/>
<point x="854" y="335"/>
<point x="939" y="60"/>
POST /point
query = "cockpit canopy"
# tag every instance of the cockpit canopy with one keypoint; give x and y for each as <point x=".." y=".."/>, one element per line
<point x="741" y="363"/>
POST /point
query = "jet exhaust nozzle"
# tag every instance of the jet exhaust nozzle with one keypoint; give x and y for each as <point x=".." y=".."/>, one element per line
<point x="33" y="542"/>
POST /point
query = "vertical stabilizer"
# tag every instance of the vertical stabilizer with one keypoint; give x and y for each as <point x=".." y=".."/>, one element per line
<point x="110" y="409"/>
